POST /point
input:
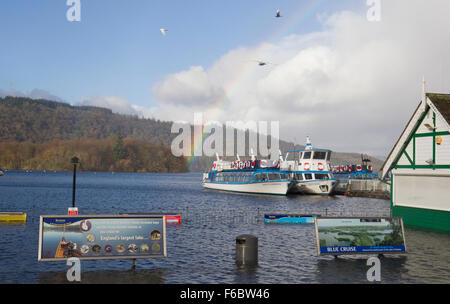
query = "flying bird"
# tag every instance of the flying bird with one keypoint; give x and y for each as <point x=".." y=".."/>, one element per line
<point x="278" y="15"/>
<point x="163" y="31"/>
<point x="262" y="63"/>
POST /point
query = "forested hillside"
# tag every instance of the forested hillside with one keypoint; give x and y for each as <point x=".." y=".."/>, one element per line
<point x="39" y="121"/>
<point x="43" y="134"/>
<point x="112" y="154"/>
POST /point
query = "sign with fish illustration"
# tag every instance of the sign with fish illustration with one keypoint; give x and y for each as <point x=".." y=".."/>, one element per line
<point x="368" y="235"/>
<point x="93" y="237"/>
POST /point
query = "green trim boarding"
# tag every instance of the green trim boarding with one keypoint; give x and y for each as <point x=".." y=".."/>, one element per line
<point x="424" y="218"/>
<point x="422" y="167"/>
<point x="434" y="138"/>
<point x="429" y="134"/>
<point x="412" y="216"/>
<point x="409" y="158"/>
<point x="411" y="137"/>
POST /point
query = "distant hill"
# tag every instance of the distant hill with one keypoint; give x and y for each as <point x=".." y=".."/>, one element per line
<point x="39" y="121"/>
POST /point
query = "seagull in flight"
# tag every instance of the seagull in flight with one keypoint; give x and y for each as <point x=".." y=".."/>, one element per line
<point x="163" y="31"/>
<point x="278" y="15"/>
<point x="262" y="63"/>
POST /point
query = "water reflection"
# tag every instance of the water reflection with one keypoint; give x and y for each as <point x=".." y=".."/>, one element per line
<point x="246" y="274"/>
<point x="13" y="223"/>
<point x="353" y="269"/>
<point x="139" y="276"/>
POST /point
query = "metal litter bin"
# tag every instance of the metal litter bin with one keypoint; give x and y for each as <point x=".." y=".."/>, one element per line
<point x="246" y="250"/>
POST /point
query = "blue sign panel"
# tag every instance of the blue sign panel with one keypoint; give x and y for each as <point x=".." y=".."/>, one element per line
<point x="101" y="237"/>
<point x="338" y="236"/>
<point x="289" y="218"/>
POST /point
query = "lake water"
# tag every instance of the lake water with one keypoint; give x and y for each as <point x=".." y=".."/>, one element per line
<point x="202" y="248"/>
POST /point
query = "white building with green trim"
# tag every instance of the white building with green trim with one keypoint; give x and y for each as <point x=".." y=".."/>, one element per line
<point x="419" y="166"/>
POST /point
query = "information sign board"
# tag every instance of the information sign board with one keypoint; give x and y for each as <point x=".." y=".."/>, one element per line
<point x="101" y="237"/>
<point x="368" y="235"/>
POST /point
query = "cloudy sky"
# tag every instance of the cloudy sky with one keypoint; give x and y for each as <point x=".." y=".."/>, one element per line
<point x="332" y="73"/>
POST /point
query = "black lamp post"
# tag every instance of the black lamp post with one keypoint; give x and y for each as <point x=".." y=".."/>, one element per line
<point x="75" y="161"/>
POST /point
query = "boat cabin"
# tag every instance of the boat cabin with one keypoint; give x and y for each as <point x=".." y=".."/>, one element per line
<point x="247" y="176"/>
<point x="308" y="160"/>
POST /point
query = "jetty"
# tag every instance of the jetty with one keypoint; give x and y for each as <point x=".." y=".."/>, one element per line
<point x="373" y="188"/>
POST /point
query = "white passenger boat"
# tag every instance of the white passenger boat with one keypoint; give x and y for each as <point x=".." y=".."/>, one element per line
<point x="310" y="169"/>
<point x="250" y="176"/>
<point x="308" y="173"/>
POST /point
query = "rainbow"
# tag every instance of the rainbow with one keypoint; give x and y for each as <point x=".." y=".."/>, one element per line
<point x="288" y="24"/>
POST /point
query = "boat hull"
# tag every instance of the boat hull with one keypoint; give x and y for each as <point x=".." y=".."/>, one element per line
<point x="323" y="187"/>
<point x="269" y="188"/>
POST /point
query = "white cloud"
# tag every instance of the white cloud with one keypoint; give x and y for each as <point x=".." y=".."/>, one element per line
<point x="188" y="87"/>
<point x="351" y="86"/>
<point x="116" y="103"/>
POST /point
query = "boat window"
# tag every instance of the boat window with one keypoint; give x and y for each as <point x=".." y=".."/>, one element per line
<point x="298" y="176"/>
<point x="274" y="176"/>
<point x="308" y="176"/>
<point x="319" y="155"/>
<point x="328" y="155"/>
<point x="260" y="177"/>
<point x="283" y="176"/>
<point x="322" y="176"/>
<point x="306" y="155"/>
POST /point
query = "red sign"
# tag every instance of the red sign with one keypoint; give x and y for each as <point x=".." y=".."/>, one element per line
<point x="173" y="219"/>
<point x="73" y="211"/>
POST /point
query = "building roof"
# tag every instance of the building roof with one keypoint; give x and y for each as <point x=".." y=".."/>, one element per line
<point x="442" y="103"/>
